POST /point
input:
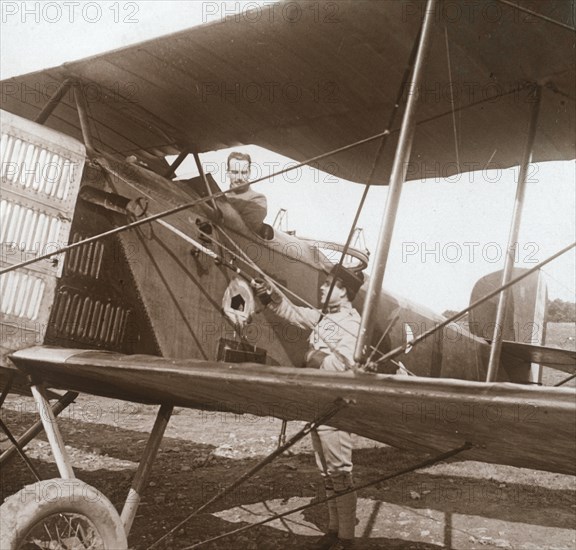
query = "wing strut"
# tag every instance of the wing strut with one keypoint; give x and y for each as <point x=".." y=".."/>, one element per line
<point x="53" y="102"/>
<point x="397" y="177"/>
<point x="174" y="166"/>
<point x="496" y="347"/>
<point x="141" y="478"/>
<point x="401" y="90"/>
<point x="53" y="432"/>
<point x="82" y="110"/>
<point x="36" y="428"/>
<point x="206" y="184"/>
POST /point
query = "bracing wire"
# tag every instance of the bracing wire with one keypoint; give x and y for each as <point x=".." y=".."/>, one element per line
<point x="451" y="86"/>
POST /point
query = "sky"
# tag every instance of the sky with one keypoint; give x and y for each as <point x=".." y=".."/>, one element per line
<point x="448" y="234"/>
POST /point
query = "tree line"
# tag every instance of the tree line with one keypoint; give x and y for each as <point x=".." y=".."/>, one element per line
<point x="560" y="311"/>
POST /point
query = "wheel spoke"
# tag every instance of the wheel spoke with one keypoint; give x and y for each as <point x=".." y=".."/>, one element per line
<point x="78" y="534"/>
<point x="47" y="531"/>
<point x="57" y="532"/>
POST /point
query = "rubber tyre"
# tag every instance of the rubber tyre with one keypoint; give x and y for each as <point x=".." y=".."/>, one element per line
<point x="35" y="503"/>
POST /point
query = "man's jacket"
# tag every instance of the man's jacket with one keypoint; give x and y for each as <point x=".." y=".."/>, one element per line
<point x="334" y="335"/>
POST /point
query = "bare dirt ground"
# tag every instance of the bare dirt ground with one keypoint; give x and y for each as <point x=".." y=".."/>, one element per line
<point x="458" y="505"/>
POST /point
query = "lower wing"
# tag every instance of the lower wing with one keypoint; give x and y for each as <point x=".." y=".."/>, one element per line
<point x="526" y="426"/>
<point x="559" y="359"/>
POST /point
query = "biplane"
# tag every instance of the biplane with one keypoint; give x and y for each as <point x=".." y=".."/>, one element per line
<point x="122" y="281"/>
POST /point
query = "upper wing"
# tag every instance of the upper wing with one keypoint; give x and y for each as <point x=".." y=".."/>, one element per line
<point x="303" y="78"/>
<point x="505" y="423"/>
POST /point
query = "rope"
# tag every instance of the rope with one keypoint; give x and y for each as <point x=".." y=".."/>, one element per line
<point x="423" y="464"/>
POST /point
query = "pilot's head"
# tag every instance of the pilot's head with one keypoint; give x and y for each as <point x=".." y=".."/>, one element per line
<point x="347" y="286"/>
<point x="238" y="169"/>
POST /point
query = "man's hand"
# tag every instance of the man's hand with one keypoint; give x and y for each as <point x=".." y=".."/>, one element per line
<point x="314" y="358"/>
<point x="260" y="287"/>
<point x="265" y="291"/>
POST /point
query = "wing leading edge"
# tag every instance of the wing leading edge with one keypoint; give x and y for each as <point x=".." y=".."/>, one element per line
<point x="530" y="427"/>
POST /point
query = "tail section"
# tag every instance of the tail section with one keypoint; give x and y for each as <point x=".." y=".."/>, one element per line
<point x="524" y="322"/>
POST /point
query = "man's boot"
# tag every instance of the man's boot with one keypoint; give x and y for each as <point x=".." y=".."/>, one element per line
<point x="342" y="544"/>
<point x="346" y="506"/>
<point x="325" y="542"/>
<point x="331" y="537"/>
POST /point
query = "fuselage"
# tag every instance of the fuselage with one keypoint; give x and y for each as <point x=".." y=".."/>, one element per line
<point x="152" y="290"/>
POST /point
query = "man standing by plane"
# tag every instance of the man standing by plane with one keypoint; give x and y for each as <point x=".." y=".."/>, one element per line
<point x="251" y="206"/>
<point x="332" y="344"/>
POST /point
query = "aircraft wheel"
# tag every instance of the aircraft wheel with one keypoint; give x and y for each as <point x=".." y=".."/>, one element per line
<point x="60" y="514"/>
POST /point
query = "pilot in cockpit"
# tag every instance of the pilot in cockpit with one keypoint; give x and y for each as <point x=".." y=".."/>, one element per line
<point x="251" y="205"/>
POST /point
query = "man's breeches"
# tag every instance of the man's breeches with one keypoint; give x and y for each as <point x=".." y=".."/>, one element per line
<point x="333" y="450"/>
<point x="334" y="458"/>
